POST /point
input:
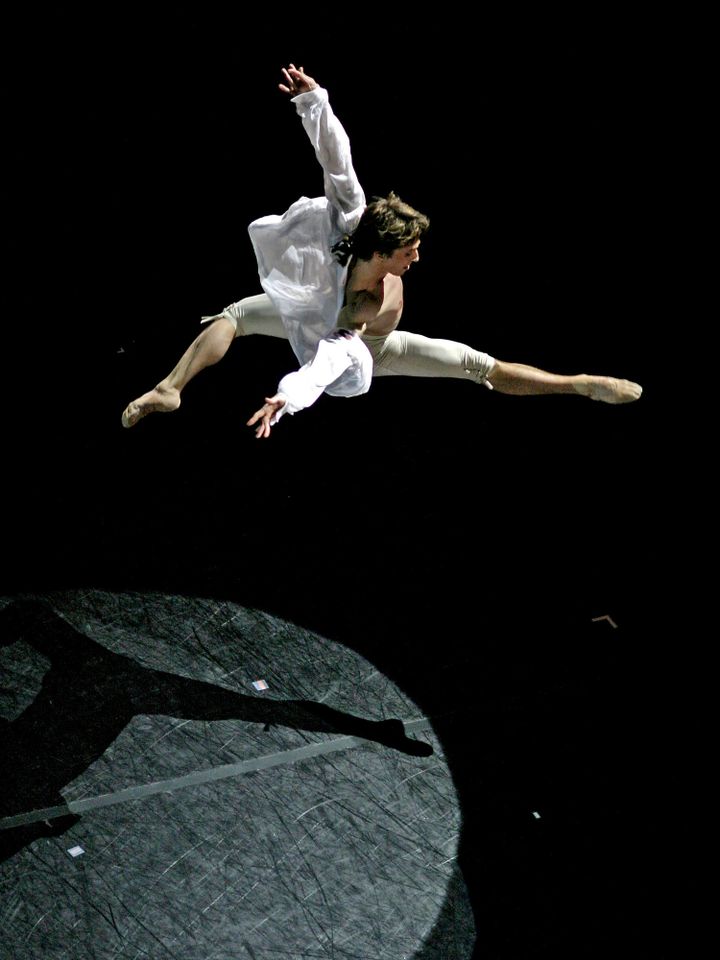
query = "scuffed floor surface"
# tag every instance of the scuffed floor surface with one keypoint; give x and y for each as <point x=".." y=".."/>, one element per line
<point x="191" y="779"/>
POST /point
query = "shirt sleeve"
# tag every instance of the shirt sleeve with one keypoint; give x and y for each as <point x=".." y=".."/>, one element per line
<point x="332" y="149"/>
<point x="303" y="387"/>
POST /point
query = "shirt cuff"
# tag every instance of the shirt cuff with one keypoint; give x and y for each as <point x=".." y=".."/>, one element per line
<point x="305" y="101"/>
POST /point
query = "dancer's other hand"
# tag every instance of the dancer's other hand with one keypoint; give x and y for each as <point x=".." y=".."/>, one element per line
<point x="265" y="415"/>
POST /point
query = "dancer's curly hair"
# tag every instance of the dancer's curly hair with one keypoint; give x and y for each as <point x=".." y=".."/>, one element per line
<point x="387" y="224"/>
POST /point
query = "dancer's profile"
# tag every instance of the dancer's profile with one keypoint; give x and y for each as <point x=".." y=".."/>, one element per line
<point x="332" y="269"/>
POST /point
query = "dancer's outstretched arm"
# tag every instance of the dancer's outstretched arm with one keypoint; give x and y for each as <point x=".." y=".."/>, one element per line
<point x="331" y="144"/>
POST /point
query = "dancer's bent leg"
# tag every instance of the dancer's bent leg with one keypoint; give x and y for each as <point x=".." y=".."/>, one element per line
<point x="248" y="316"/>
<point x="211" y="346"/>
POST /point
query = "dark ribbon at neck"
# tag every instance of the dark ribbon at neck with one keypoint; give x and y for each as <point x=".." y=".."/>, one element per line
<point x="343" y="249"/>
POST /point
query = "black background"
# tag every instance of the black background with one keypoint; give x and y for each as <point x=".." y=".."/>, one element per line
<point x="461" y="540"/>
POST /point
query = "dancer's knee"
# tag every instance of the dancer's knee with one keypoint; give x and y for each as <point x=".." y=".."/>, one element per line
<point x="221" y="330"/>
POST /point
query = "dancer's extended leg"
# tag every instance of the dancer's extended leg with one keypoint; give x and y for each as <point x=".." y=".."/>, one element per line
<point x="402" y="353"/>
<point x="520" y="379"/>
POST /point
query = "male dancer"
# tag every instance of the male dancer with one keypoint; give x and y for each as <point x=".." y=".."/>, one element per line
<point x="332" y="269"/>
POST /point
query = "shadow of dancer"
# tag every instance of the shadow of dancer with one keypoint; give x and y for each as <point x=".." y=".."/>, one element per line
<point x="90" y="694"/>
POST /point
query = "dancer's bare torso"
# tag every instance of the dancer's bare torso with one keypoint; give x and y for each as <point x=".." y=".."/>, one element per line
<point x="378" y="308"/>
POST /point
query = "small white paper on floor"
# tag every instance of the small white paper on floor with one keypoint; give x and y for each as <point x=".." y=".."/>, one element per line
<point x="260" y="685"/>
<point x="75" y="851"/>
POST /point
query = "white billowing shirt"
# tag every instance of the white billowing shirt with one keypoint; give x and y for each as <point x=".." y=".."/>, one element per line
<point x="301" y="276"/>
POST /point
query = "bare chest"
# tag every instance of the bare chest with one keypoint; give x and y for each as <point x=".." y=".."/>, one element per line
<point x="381" y="308"/>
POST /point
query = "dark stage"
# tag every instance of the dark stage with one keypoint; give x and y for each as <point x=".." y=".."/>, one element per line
<point x="487" y="569"/>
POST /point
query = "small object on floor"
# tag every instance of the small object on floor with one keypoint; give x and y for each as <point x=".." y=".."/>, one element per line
<point x="260" y="685"/>
<point x="76" y="851"/>
<point x="536" y="814"/>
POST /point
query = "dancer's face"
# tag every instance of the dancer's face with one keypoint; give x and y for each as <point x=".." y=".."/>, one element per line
<point x="400" y="260"/>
